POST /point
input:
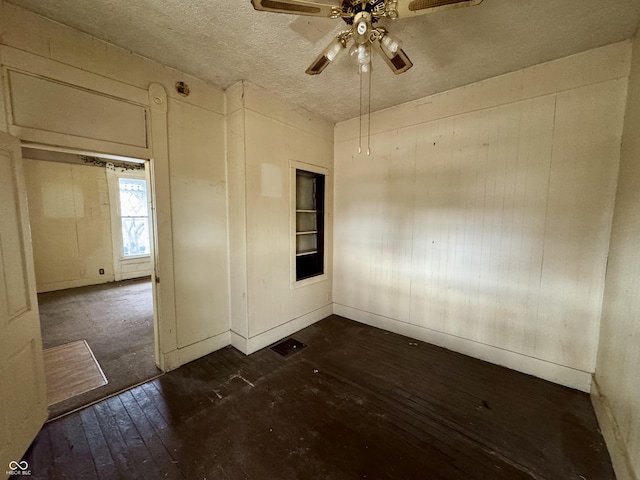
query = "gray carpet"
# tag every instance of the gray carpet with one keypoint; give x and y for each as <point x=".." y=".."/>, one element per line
<point x="116" y="320"/>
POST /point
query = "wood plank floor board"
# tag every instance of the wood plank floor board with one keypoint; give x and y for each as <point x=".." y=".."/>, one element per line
<point x="371" y="450"/>
<point x="154" y="395"/>
<point x="166" y="434"/>
<point x="41" y="450"/>
<point x="150" y="410"/>
<point x="126" y="466"/>
<point x="70" y="449"/>
<point x="208" y="380"/>
<point x="136" y="448"/>
<point x="159" y="454"/>
<point x="183" y="397"/>
<point x="100" y="452"/>
<point x="460" y="408"/>
<point x="436" y="441"/>
<point x="357" y="403"/>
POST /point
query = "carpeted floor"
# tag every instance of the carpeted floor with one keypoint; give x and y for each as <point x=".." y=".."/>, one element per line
<point x="116" y="320"/>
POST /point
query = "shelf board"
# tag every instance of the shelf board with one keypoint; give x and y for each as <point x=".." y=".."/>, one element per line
<point x="306" y="211"/>
<point x="306" y="252"/>
<point x="308" y="232"/>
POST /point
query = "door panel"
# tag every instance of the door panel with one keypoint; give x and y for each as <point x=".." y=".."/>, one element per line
<point x="11" y="243"/>
<point x="23" y="405"/>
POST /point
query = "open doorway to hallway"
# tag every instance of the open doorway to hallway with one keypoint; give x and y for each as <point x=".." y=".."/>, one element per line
<point x="92" y="239"/>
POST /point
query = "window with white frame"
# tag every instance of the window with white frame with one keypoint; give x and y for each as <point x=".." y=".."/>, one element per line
<point x="134" y="216"/>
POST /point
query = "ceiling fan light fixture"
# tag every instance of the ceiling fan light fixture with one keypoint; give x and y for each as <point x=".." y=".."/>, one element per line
<point x="362" y="17"/>
<point x="390" y="43"/>
<point x="360" y="53"/>
<point x="334" y="48"/>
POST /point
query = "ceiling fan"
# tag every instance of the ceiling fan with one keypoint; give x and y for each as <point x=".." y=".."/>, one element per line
<point x="361" y="17"/>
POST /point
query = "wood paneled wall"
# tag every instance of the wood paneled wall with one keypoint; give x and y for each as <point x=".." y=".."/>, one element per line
<point x="617" y="379"/>
<point x="481" y="220"/>
<point x="199" y="208"/>
<point x="264" y="136"/>
<point x="70" y="220"/>
<point x="186" y="146"/>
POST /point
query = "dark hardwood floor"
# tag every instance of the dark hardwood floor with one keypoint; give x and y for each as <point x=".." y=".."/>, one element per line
<point x="357" y="402"/>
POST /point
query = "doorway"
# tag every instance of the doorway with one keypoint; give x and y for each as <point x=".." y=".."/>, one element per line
<point x="92" y="232"/>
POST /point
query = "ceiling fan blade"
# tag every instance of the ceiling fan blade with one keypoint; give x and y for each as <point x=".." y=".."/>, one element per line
<point x="412" y="8"/>
<point x="297" y="7"/>
<point x="318" y="65"/>
<point x="398" y="62"/>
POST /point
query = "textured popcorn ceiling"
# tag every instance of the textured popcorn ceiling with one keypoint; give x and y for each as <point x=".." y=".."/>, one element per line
<point x="224" y="41"/>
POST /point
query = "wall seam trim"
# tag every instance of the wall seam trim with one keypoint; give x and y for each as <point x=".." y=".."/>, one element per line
<point x="289" y="125"/>
<point x="620" y="443"/>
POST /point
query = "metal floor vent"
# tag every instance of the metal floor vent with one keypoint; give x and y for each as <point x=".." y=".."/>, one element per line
<point x="288" y="347"/>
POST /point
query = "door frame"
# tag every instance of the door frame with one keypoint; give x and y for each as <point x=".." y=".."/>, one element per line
<point x="152" y="224"/>
<point x="153" y="100"/>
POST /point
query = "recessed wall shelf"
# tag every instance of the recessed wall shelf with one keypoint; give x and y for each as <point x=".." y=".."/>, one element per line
<point x="306" y="252"/>
<point x="309" y="226"/>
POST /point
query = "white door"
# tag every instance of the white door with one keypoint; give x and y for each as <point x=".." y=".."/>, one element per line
<point x="23" y="397"/>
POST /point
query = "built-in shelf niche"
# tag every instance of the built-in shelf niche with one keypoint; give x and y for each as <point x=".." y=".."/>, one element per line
<point x="309" y="232"/>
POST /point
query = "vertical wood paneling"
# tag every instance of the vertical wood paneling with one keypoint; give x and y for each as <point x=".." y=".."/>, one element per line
<point x="617" y="372"/>
<point x="581" y="192"/>
<point x="271" y="145"/>
<point x="275" y="136"/>
<point x="199" y="212"/>
<point x="479" y="220"/>
<point x="236" y="175"/>
<point x="70" y="221"/>
<point x="493" y="224"/>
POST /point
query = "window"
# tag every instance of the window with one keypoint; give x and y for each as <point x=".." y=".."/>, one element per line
<point x="134" y="216"/>
<point x="309" y="224"/>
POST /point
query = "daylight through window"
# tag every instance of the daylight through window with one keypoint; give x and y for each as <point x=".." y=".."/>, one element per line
<point x="134" y="217"/>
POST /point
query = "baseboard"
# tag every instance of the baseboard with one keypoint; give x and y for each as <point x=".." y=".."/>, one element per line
<point x="255" y="343"/>
<point x="176" y="358"/>
<point x="612" y="435"/>
<point x="83" y="282"/>
<point x="239" y="342"/>
<point x="560" y="374"/>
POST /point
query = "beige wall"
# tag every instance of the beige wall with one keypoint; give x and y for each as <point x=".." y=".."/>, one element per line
<point x="617" y="389"/>
<point x="75" y="227"/>
<point x="70" y="220"/>
<point x="199" y="214"/>
<point x="102" y="93"/>
<point x="481" y="220"/>
<point x="265" y="137"/>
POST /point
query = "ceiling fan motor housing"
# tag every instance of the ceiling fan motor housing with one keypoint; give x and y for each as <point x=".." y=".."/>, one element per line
<point x="351" y="9"/>
<point x="362" y="27"/>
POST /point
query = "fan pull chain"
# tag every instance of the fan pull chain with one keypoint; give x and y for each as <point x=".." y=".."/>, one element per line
<point x="369" y="113"/>
<point x="360" y="134"/>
